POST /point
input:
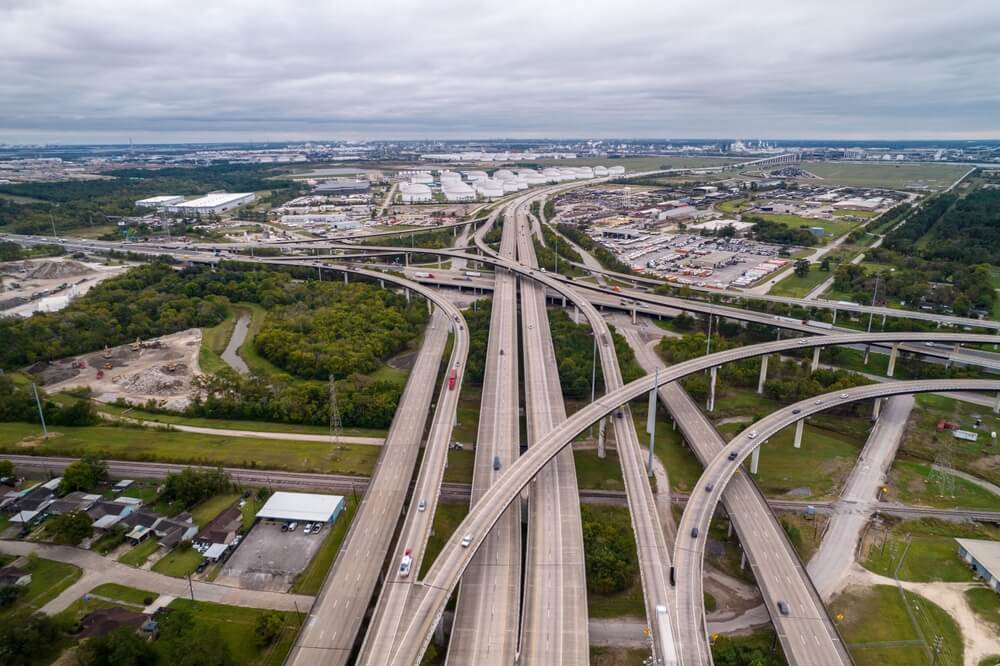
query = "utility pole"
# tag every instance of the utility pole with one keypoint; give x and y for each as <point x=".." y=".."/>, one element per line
<point x="336" y="428"/>
<point x="190" y="587"/>
<point x="708" y="343"/>
<point x="41" y="415"/>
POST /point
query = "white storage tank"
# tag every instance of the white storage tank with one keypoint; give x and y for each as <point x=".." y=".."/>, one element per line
<point x="414" y="193"/>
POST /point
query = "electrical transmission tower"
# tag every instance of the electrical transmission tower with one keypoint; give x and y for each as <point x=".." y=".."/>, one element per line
<point x="941" y="475"/>
<point x="336" y="428"/>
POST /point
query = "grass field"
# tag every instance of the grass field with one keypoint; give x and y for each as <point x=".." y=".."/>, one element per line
<point x="593" y="473"/>
<point x="876" y="616"/>
<point x="213" y="343"/>
<point x="797" y="287"/>
<point x="235" y="625"/>
<point x="755" y="646"/>
<point x="932" y="554"/>
<point x="234" y="424"/>
<point x="446" y="519"/>
<point x="902" y="176"/>
<point x="123" y="593"/>
<point x="138" y="555"/>
<point x="834" y="228"/>
<point x="460" y="466"/>
<point x="207" y="511"/>
<point x="48" y="580"/>
<point x="311" y="579"/>
<point x="911" y="482"/>
<point x="125" y="443"/>
<point x="804" y="533"/>
<point x="922" y="440"/>
<point x="986" y="604"/>
<point x="178" y="563"/>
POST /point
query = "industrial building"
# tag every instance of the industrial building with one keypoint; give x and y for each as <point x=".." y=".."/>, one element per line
<point x="304" y="507"/>
<point x="335" y="187"/>
<point x="336" y="222"/>
<point x="159" y="202"/>
<point x="216" y="203"/>
<point x="984" y="558"/>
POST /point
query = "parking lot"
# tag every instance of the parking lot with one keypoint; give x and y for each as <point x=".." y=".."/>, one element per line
<point x="269" y="559"/>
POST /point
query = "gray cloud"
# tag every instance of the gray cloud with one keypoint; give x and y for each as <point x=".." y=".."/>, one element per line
<point x="175" y="70"/>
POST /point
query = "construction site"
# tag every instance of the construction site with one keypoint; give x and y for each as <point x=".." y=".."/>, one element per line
<point x="158" y="370"/>
<point x="48" y="285"/>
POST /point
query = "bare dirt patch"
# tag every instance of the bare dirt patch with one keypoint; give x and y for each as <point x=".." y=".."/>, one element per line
<point x="403" y="361"/>
<point x="160" y="370"/>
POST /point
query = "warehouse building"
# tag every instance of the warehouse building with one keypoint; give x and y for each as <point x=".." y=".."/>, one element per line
<point x="337" y="187"/>
<point x="159" y="202"/>
<point x="216" y="203"/>
<point x="302" y="507"/>
<point x="984" y="558"/>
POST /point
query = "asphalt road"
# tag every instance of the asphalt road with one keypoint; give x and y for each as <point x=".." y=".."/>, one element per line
<point x="814" y="644"/>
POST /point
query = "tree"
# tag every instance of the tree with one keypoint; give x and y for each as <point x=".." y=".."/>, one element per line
<point x="122" y="647"/>
<point x="84" y="474"/>
<point x="26" y="639"/>
<point x="802" y="268"/>
<point x="186" y="644"/>
<point x="824" y="265"/>
<point x="268" y="628"/>
<point x="9" y="594"/>
<point x="6" y="469"/>
<point x="70" y="528"/>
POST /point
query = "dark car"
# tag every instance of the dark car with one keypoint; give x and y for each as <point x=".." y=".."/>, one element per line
<point x="694" y="532"/>
<point x="783" y="608"/>
<point x="202" y="566"/>
<point x="732" y="455"/>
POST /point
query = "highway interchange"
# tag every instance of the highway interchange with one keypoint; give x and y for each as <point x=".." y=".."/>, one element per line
<point x="551" y="627"/>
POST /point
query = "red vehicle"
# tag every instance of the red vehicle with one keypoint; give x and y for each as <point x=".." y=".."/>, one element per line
<point x="452" y="378"/>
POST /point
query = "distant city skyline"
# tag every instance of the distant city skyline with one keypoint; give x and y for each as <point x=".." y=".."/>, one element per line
<point x="102" y="71"/>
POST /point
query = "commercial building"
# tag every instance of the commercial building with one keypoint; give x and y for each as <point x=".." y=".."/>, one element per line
<point x="210" y="204"/>
<point x="984" y="558"/>
<point x="159" y="202"/>
<point x="335" y="221"/>
<point x="304" y="507"/>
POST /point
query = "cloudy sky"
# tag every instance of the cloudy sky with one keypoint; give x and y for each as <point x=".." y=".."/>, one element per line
<point x="186" y="70"/>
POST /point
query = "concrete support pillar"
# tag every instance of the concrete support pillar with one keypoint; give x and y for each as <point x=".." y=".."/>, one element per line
<point x="877" y="409"/>
<point x="834" y="316"/>
<point x="576" y="315"/>
<point x="815" y="362"/>
<point x="763" y="375"/>
<point x="883" y="322"/>
<point x="729" y="530"/>
<point x="345" y="278"/>
<point x="564" y="301"/>
<point x="634" y="320"/>
<point x="799" y="426"/>
<point x="867" y="349"/>
<point x="406" y="258"/>
<point x="755" y="460"/>
<point x="381" y="284"/>
<point x="743" y="560"/>
<point x="407" y="292"/>
<point x="713" y="374"/>
<point x="430" y="308"/>
<point x="439" y="633"/>
<point x="601" y="452"/>
<point x="996" y="405"/>
<point x="892" y="359"/>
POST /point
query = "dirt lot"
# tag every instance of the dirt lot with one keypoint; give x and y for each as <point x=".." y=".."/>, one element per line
<point x="162" y="373"/>
<point x="48" y="284"/>
<point x="269" y="559"/>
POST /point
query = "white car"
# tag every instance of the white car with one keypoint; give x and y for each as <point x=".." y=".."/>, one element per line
<point x="752" y="434"/>
<point x="466" y="541"/>
<point x="844" y="395"/>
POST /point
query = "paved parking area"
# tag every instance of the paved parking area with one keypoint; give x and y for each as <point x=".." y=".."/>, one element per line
<point x="269" y="559"/>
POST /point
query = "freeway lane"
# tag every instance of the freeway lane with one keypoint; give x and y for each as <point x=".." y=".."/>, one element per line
<point x="486" y="618"/>
<point x="777" y="568"/>
<point x="554" y="620"/>
<point x="693" y="530"/>
<point x="330" y="630"/>
<point x="416" y="529"/>
<point x="454" y="558"/>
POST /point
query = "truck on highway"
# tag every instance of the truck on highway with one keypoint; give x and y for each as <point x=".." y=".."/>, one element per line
<point x="405" y="564"/>
<point x="452" y="379"/>
<point x="668" y="651"/>
<point x="473" y="274"/>
<point x="422" y="274"/>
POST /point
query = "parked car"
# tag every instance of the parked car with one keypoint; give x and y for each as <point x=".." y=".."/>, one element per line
<point x="292" y="526"/>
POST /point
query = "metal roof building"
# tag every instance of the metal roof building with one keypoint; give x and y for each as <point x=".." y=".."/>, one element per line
<point x="307" y="507"/>
<point x="213" y="203"/>
<point x="984" y="558"/>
